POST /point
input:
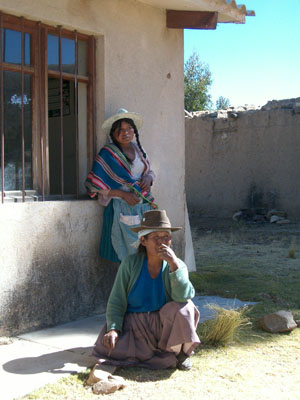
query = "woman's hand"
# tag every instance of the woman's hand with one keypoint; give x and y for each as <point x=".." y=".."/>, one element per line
<point x="146" y="182"/>
<point x="110" y="339"/>
<point x="130" y="198"/>
<point x="166" y="253"/>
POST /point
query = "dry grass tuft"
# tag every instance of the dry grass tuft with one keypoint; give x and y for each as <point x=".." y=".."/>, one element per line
<point x="292" y="251"/>
<point x="224" y="328"/>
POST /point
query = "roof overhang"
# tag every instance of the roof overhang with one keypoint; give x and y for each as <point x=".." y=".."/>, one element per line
<point x="217" y="11"/>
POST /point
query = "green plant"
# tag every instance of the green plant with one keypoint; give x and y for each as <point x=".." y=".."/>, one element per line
<point x="197" y="81"/>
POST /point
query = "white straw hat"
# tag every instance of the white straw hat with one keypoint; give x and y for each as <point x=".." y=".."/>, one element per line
<point x="120" y="114"/>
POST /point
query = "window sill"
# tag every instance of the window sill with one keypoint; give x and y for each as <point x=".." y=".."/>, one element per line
<point x="32" y="196"/>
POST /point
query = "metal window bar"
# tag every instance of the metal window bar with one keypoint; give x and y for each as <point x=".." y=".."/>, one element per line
<point x="22" y="108"/>
<point x="2" y="107"/>
<point x="40" y="110"/>
<point x="76" y="114"/>
<point x="93" y="51"/>
<point x="61" y="114"/>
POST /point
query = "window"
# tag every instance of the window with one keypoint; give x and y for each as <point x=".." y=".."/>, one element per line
<point x="47" y="78"/>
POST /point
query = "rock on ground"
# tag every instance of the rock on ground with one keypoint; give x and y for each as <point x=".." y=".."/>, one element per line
<point x="280" y="321"/>
<point x="103" y="382"/>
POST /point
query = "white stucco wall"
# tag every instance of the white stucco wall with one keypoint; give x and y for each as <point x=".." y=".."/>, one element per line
<point x="50" y="271"/>
<point x="139" y="67"/>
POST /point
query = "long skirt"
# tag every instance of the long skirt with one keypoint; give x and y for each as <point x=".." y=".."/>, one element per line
<point x="106" y="249"/>
<point x="117" y="238"/>
<point x="153" y="339"/>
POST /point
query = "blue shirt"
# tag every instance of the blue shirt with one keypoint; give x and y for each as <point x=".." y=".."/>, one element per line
<point x="147" y="294"/>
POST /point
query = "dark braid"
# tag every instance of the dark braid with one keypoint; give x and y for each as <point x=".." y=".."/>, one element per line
<point x="116" y="126"/>
<point x="142" y="249"/>
<point x="137" y="138"/>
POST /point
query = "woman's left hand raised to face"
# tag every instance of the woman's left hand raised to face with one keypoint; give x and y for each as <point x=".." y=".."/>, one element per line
<point x="146" y="182"/>
<point x="166" y="253"/>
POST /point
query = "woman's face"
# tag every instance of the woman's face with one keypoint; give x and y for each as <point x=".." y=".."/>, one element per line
<point x="154" y="240"/>
<point x="124" y="134"/>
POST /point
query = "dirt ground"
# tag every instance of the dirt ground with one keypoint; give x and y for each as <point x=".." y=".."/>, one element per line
<point x="242" y="234"/>
<point x="238" y="253"/>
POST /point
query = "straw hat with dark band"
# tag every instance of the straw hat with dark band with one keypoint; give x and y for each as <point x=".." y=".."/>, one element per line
<point x="155" y="219"/>
<point x="120" y="114"/>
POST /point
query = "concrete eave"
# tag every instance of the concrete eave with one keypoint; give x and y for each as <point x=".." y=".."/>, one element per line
<point x="228" y="10"/>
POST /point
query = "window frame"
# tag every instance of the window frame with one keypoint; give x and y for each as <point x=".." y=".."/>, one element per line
<point x="40" y="73"/>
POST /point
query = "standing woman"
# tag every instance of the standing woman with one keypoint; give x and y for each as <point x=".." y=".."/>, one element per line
<point x="121" y="176"/>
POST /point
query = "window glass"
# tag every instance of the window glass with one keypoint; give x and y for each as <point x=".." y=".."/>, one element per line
<point x="53" y="52"/>
<point x="63" y="152"/>
<point x="82" y="129"/>
<point x="13" y="173"/>
<point x="69" y="139"/>
<point x="27" y="49"/>
<point x="12" y="44"/>
<point x="67" y="54"/>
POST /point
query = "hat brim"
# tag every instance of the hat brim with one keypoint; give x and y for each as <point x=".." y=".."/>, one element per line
<point x="137" y="119"/>
<point x="159" y="229"/>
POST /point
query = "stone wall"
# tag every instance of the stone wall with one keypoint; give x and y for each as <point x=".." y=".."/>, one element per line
<point x="243" y="158"/>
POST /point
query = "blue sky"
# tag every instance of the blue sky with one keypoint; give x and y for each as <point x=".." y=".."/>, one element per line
<point x="254" y="62"/>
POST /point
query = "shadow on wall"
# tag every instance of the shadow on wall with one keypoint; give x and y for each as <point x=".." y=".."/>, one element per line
<point x="56" y="292"/>
<point x="56" y="274"/>
<point x="258" y="198"/>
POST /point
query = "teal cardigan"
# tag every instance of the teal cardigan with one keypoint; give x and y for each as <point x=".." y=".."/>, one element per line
<point x="177" y="287"/>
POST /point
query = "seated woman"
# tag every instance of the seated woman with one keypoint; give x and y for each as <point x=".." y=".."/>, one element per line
<point x="150" y="319"/>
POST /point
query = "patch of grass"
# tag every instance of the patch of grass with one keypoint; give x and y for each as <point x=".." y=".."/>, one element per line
<point x="249" y="263"/>
<point x="251" y="283"/>
<point x="67" y="388"/>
